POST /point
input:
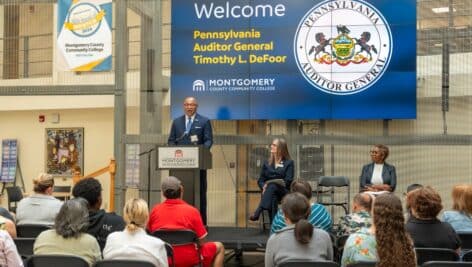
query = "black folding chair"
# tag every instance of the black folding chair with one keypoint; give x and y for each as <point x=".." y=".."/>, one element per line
<point x="14" y="195"/>
<point x="170" y="254"/>
<point x="435" y="254"/>
<point x="62" y="189"/>
<point x="363" y="264"/>
<point x="466" y="240"/>
<point x="333" y="182"/>
<point x="56" y="260"/>
<point x="309" y="264"/>
<point x="30" y="230"/>
<point x="179" y="237"/>
<point x="123" y="263"/>
<point x="467" y="256"/>
<point x="339" y="246"/>
<point x="446" y="264"/>
<point x="24" y="245"/>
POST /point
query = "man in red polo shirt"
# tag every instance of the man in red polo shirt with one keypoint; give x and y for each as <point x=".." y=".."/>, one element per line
<point x="174" y="213"/>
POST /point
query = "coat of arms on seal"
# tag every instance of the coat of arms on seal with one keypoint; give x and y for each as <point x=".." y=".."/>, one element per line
<point x="343" y="47"/>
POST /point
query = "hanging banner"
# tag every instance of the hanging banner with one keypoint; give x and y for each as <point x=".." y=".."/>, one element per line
<point x="84" y="35"/>
<point x="295" y="59"/>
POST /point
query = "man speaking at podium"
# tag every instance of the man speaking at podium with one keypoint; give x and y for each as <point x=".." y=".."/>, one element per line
<point x="193" y="129"/>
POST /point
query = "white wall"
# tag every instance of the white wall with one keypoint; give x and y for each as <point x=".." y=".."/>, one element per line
<point x="30" y="133"/>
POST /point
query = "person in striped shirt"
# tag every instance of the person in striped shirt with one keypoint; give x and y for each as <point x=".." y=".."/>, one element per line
<point x="319" y="216"/>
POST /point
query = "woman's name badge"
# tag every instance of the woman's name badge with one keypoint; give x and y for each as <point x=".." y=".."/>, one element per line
<point x="279" y="165"/>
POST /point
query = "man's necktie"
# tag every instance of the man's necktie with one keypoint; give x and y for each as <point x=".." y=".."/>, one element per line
<point x="189" y="124"/>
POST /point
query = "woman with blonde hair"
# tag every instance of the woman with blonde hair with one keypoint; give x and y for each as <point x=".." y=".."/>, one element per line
<point x="386" y="241"/>
<point x="133" y="242"/>
<point x="460" y="217"/>
<point x="41" y="207"/>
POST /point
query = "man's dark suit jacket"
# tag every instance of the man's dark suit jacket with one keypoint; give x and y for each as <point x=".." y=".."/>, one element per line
<point x="201" y="127"/>
<point x="389" y="175"/>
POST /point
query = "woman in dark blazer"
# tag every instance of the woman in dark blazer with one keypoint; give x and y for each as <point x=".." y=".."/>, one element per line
<point x="378" y="175"/>
<point x="275" y="178"/>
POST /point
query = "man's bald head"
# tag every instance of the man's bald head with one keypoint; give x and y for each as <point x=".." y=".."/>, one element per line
<point x="362" y="201"/>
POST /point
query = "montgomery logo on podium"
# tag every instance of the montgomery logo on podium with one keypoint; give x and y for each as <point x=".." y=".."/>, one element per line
<point x="178" y="157"/>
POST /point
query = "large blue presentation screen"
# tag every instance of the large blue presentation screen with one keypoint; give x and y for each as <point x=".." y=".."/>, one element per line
<point x="295" y="59"/>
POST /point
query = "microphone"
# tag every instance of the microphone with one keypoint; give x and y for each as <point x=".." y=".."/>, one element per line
<point x="181" y="137"/>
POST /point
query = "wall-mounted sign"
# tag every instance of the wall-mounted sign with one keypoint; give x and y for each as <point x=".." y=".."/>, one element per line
<point x="84" y="36"/>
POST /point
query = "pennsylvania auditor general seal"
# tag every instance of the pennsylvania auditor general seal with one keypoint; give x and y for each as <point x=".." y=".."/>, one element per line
<point x="343" y="47"/>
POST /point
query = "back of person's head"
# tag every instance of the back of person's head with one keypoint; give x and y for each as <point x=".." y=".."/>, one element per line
<point x="302" y="187"/>
<point x="72" y="219"/>
<point x="43" y="182"/>
<point x="412" y="187"/>
<point x="135" y="214"/>
<point x="363" y="201"/>
<point x="394" y="246"/>
<point x="296" y="208"/>
<point x="91" y="190"/>
<point x="425" y="202"/>
<point x="462" y="198"/>
<point x="171" y="187"/>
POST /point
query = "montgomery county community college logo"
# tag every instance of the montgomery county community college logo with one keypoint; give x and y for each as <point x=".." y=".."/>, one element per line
<point x="343" y="47"/>
<point x="198" y="85"/>
<point x="84" y="19"/>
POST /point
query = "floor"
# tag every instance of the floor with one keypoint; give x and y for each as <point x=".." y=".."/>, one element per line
<point x="248" y="259"/>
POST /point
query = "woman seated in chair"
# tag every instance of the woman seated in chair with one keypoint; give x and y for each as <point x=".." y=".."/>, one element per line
<point x="386" y="241"/>
<point x="460" y="217"/>
<point x="8" y="253"/>
<point x="69" y="235"/>
<point x="275" y="178"/>
<point x="134" y="243"/>
<point x="378" y="175"/>
<point x="299" y="240"/>
<point x="423" y="225"/>
<point x="41" y="207"/>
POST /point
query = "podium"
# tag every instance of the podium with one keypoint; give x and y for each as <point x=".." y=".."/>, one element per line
<point x="186" y="163"/>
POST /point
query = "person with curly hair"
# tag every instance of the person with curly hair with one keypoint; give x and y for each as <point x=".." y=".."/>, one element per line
<point x="460" y="217"/>
<point x="378" y="175"/>
<point x="425" y="204"/>
<point x="386" y="241"/>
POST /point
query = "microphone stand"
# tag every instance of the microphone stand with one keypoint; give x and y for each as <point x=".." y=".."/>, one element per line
<point x="148" y="153"/>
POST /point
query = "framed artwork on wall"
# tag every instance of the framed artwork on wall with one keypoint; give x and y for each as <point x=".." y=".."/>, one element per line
<point x="64" y="151"/>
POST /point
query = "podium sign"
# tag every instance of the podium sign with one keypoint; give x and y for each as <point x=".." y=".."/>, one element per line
<point x="178" y="157"/>
<point x="188" y="163"/>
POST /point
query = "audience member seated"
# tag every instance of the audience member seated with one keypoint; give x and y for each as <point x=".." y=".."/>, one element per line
<point x="423" y="226"/>
<point x="134" y="243"/>
<point x="360" y="216"/>
<point x="5" y="213"/>
<point x="41" y="207"/>
<point x="101" y="223"/>
<point x="299" y="240"/>
<point x="7" y="225"/>
<point x="174" y="213"/>
<point x="460" y="217"/>
<point x="386" y="241"/>
<point x="69" y="236"/>
<point x="9" y="256"/>
<point x="319" y="216"/>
